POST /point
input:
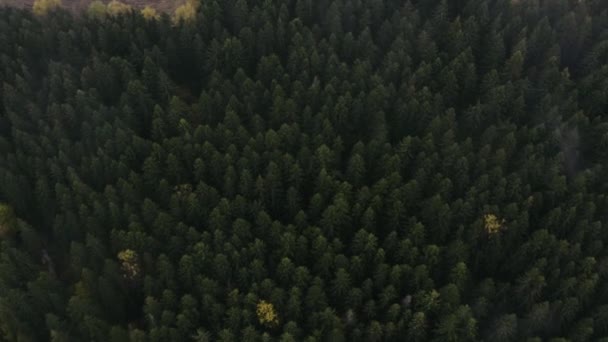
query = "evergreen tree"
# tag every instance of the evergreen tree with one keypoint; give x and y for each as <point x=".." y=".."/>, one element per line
<point x="304" y="171"/>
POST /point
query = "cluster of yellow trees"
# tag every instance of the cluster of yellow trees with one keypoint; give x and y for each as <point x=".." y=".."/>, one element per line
<point x="99" y="9"/>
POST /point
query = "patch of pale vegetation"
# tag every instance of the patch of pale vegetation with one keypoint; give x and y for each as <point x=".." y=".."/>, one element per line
<point x="185" y="12"/>
<point x="493" y="224"/>
<point x="267" y="314"/>
<point x="116" y="8"/>
<point x="130" y="263"/>
<point x="42" y="7"/>
<point x="97" y="9"/>
<point x="149" y="13"/>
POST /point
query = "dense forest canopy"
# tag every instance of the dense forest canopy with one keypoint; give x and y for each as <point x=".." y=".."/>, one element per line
<point x="306" y="170"/>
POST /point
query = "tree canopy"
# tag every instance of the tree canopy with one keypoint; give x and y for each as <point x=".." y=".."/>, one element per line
<point x="346" y="170"/>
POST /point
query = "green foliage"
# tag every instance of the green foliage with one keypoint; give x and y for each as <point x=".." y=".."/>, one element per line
<point x="97" y="9"/>
<point x="8" y="220"/>
<point x="305" y="170"/>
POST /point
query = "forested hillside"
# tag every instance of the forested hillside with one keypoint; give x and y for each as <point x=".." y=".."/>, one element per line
<point x="75" y="6"/>
<point x="306" y="170"/>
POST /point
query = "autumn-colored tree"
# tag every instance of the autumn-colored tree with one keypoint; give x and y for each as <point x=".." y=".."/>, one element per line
<point x="130" y="263"/>
<point x="492" y="224"/>
<point x="116" y="7"/>
<point x="150" y="13"/>
<point x="42" y="7"/>
<point x="267" y="314"/>
<point x="185" y="12"/>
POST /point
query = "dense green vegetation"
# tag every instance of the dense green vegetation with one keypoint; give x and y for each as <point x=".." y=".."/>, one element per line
<point x="306" y="170"/>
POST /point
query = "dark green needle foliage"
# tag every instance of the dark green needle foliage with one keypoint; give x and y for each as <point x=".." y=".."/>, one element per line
<point x="300" y="170"/>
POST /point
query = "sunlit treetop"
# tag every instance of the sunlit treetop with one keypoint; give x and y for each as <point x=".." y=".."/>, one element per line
<point x="97" y="9"/>
<point x="116" y="7"/>
<point x="267" y="314"/>
<point x="42" y="7"/>
<point x="150" y="13"/>
<point x="493" y="224"/>
<point x="185" y="12"/>
<point x="130" y="263"/>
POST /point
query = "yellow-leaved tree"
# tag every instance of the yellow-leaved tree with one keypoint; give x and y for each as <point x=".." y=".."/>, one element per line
<point x="493" y="224"/>
<point x="149" y="13"/>
<point x="116" y="7"/>
<point x="130" y="263"/>
<point x="185" y="12"/>
<point x="267" y="315"/>
<point x="42" y="7"/>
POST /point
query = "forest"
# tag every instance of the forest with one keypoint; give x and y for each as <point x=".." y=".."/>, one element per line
<point x="305" y="170"/>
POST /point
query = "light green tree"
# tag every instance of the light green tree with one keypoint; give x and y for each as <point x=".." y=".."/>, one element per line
<point x="97" y="9"/>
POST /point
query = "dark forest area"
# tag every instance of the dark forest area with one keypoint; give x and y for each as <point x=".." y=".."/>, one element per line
<point x="306" y="170"/>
